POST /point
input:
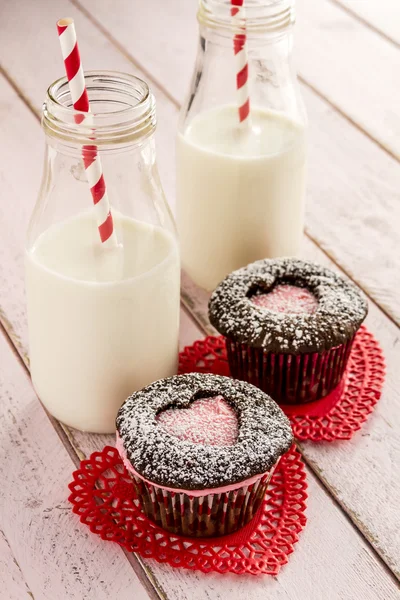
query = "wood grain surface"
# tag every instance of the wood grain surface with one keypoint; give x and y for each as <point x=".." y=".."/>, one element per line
<point x="323" y="548"/>
<point x="349" y="63"/>
<point x="57" y="557"/>
<point x="352" y="214"/>
<point x="383" y="17"/>
<point x="11" y="577"/>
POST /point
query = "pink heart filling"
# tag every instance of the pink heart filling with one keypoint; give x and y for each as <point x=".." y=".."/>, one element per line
<point x="287" y="299"/>
<point x="207" y="421"/>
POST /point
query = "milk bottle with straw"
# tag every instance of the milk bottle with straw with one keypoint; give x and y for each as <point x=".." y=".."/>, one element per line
<point x="241" y="149"/>
<point x="102" y="261"/>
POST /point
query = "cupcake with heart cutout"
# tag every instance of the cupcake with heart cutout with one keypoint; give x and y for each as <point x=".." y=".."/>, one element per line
<point x="289" y="326"/>
<point x="201" y="450"/>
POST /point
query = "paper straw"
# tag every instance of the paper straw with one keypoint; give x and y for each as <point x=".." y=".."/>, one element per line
<point x="90" y="156"/>
<point x="242" y="67"/>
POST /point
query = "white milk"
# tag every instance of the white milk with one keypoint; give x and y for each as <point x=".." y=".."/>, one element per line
<point x="240" y="196"/>
<point x="94" y="343"/>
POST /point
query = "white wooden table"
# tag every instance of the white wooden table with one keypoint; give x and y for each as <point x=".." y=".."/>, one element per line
<point x="348" y="59"/>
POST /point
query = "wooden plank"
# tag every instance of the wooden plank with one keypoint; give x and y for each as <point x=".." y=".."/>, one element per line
<point x="173" y="29"/>
<point x="56" y="555"/>
<point x="169" y="58"/>
<point x="353" y="207"/>
<point x="353" y="67"/>
<point x="14" y="128"/>
<point x="380" y="16"/>
<point x="11" y="578"/>
<point x="362" y="473"/>
<point x="349" y="176"/>
<point x="329" y="544"/>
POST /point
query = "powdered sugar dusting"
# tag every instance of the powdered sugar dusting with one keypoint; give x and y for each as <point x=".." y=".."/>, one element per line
<point x="263" y="434"/>
<point x="340" y="311"/>
<point x="287" y="299"/>
<point x="207" y="421"/>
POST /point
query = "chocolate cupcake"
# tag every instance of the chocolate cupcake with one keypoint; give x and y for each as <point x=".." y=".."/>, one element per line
<point x="201" y="450"/>
<point x="289" y="326"/>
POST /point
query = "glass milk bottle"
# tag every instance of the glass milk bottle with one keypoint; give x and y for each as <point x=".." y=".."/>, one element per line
<point x="103" y="317"/>
<point x="241" y="149"/>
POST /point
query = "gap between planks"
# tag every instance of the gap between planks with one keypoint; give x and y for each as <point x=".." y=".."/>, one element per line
<point x="19" y="92"/>
<point x="12" y="576"/>
<point x="123" y="51"/>
<point x="343" y="114"/>
<point x="355" y="15"/>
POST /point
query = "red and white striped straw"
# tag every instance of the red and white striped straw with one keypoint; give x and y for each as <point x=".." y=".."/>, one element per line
<point x="242" y="67"/>
<point x="90" y="156"/>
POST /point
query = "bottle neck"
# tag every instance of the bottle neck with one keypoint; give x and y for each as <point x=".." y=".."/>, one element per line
<point x="266" y="19"/>
<point x="122" y="116"/>
<point x="244" y="63"/>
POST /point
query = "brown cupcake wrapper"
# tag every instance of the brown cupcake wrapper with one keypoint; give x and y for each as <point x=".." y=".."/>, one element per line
<point x="289" y="378"/>
<point x="201" y="516"/>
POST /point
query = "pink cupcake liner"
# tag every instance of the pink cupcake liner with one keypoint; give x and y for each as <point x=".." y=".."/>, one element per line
<point x="211" y="515"/>
<point x="289" y="378"/>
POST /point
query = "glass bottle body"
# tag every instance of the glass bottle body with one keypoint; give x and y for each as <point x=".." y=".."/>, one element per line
<point x="240" y="186"/>
<point x="103" y="320"/>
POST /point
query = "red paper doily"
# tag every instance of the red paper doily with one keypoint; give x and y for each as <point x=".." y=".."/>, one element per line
<point x="337" y="416"/>
<point x="104" y="498"/>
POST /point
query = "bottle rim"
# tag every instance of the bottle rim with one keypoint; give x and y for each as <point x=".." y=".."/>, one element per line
<point x="257" y="16"/>
<point x="123" y="110"/>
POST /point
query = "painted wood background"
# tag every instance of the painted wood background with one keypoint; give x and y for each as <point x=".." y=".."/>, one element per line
<point x="347" y="52"/>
